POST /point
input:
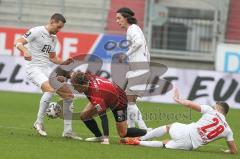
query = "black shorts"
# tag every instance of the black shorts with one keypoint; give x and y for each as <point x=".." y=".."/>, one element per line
<point x="120" y="115"/>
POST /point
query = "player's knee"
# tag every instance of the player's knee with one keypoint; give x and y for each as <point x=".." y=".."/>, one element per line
<point x="84" y="116"/>
<point x="46" y="87"/>
<point x="122" y="133"/>
<point x="65" y="94"/>
<point x="68" y="97"/>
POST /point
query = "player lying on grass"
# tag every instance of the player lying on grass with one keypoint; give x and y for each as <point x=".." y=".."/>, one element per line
<point x="102" y="95"/>
<point x="210" y="127"/>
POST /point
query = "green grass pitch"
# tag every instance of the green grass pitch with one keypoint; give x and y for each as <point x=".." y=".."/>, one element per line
<point x="19" y="140"/>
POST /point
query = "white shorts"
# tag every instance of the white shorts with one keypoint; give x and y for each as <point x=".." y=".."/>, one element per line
<point x="180" y="137"/>
<point x="38" y="75"/>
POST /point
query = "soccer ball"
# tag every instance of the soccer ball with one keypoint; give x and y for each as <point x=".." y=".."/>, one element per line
<point x="54" y="110"/>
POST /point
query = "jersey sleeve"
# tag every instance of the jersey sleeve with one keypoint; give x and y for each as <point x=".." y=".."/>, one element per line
<point x="205" y="109"/>
<point x="230" y="135"/>
<point x="136" y="41"/>
<point x="31" y="35"/>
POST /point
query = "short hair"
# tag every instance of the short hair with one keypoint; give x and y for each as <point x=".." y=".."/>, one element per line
<point x="129" y="14"/>
<point x="224" y="105"/>
<point x="58" y="17"/>
<point x="80" y="78"/>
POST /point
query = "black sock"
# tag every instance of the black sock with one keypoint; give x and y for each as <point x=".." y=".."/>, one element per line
<point x="105" y="128"/>
<point x="93" y="127"/>
<point x="135" y="132"/>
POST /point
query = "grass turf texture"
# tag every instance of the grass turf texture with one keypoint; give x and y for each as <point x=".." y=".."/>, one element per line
<point x="19" y="140"/>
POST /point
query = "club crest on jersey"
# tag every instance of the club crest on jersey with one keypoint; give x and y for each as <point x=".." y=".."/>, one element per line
<point x="98" y="107"/>
<point x="27" y="34"/>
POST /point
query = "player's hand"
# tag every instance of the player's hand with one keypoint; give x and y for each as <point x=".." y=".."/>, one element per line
<point x="28" y="57"/>
<point x="178" y="99"/>
<point x="176" y="96"/>
<point x="122" y="58"/>
<point x="61" y="79"/>
<point x="68" y="61"/>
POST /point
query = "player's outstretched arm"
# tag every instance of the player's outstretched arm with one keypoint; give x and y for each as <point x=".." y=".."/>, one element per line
<point x="187" y="103"/>
<point x="232" y="148"/>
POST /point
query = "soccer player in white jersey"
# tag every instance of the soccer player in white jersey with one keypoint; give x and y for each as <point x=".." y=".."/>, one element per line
<point x="210" y="127"/>
<point x="40" y="52"/>
<point x="137" y="54"/>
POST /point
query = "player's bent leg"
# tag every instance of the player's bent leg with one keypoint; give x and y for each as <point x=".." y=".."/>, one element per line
<point x="183" y="145"/>
<point x="65" y="92"/>
<point x="87" y="117"/>
<point x="157" y="132"/>
<point x="122" y="128"/>
<point x="120" y="116"/>
<point x="180" y="137"/>
<point x="151" y="143"/>
<point x="46" y="87"/>
<point x="104" y="121"/>
<point x="123" y="131"/>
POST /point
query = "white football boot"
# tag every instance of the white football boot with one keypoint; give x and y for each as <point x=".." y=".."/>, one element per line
<point x="71" y="135"/>
<point x="94" y="139"/>
<point x="40" y="129"/>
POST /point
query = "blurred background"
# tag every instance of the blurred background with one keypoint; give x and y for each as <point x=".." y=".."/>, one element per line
<point x="193" y="38"/>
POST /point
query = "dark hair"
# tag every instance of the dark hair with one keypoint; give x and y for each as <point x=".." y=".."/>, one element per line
<point x="224" y="105"/>
<point x="129" y="14"/>
<point x="80" y="78"/>
<point x="58" y="17"/>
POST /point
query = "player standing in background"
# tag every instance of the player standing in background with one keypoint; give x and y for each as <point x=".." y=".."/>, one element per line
<point x="40" y="52"/>
<point x="210" y="127"/>
<point x="137" y="53"/>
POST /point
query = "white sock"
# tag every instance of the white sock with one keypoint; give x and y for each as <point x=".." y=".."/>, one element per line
<point x="131" y="115"/>
<point x="158" y="132"/>
<point x="139" y="120"/>
<point x="151" y="143"/>
<point x="135" y="116"/>
<point x="43" y="105"/>
<point x="67" y="114"/>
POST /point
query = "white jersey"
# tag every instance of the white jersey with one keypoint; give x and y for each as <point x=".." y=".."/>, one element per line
<point x="211" y="126"/>
<point x="40" y="44"/>
<point x="138" y="51"/>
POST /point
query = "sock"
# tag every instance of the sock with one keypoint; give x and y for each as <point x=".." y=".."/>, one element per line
<point x="139" y="120"/>
<point x="105" y="128"/>
<point x="151" y="143"/>
<point x="93" y="127"/>
<point x="158" y="132"/>
<point x="67" y="114"/>
<point x="131" y="115"/>
<point x="43" y="105"/>
<point x="135" y="132"/>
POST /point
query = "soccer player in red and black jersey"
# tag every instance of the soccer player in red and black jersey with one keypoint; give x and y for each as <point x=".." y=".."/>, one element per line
<point x="103" y="94"/>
